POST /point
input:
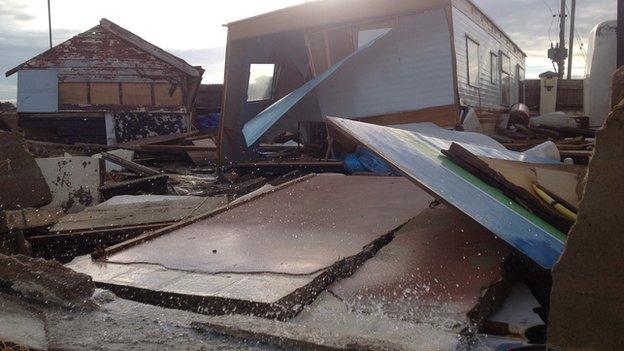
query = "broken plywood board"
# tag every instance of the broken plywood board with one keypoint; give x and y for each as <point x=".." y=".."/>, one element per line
<point x="74" y="181"/>
<point x="509" y="179"/>
<point x="268" y="256"/>
<point x="441" y="268"/>
<point x="21" y="181"/>
<point x="566" y="185"/>
<point x="563" y="180"/>
<point x="416" y="156"/>
<point x="125" y="212"/>
<point x="28" y="218"/>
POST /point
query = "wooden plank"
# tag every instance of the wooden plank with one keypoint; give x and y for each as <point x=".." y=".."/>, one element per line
<point x="443" y="116"/>
<point x="160" y="139"/>
<point x="28" y="218"/>
<point x="156" y="185"/>
<point x="105" y="94"/>
<point x="129" y="165"/>
<point x="136" y="214"/>
<point x="136" y="94"/>
<point x="73" y="93"/>
<point x="163" y="95"/>
<point x="171" y="149"/>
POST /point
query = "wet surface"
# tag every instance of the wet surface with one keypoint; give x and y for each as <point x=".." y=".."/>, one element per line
<point x="298" y="230"/>
<point x="435" y="271"/>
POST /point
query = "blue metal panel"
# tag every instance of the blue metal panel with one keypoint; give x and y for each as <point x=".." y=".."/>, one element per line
<point x="417" y="157"/>
<point x="37" y="90"/>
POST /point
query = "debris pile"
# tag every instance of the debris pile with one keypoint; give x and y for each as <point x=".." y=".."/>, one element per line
<point x="376" y="229"/>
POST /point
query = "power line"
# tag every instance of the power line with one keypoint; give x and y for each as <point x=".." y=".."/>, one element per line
<point x="549" y="8"/>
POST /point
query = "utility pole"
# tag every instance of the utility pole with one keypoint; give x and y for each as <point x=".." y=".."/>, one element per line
<point x="50" y="23"/>
<point x="561" y="59"/>
<point x="559" y="53"/>
<point x="620" y="33"/>
<point x="571" y="41"/>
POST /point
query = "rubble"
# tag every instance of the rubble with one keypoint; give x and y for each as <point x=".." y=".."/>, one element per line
<point x="422" y="216"/>
<point x="21" y="184"/>
<point x="46" y="281"/>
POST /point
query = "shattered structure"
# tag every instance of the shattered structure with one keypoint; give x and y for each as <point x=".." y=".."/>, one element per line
<point x="357" y="196"/>
<point x="105" y="86"/>
<point x="383" y="62"/>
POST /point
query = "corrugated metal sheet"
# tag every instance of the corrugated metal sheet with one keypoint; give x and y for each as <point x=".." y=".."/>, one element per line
<point x="409" y="70"/>
<point x="413" y="155"/>
<point x="487" y="94"/>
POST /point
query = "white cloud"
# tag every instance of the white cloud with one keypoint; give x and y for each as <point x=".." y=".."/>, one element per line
<point x="193" y="29"/>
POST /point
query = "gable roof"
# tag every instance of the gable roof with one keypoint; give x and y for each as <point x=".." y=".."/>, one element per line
<point x="133" y="40"/>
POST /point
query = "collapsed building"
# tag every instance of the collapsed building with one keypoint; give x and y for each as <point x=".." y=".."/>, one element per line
<point x="383" y="62"/>
<point x="105" y="86"/>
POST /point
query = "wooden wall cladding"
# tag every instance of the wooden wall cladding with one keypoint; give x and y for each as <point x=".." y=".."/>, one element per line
<point x="73" y="94"/>
<point x="164" y="96"/>
<point x="105" y="94"/>
<point x="136" y="94"/>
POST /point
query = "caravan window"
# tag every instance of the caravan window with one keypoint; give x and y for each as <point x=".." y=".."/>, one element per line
<point x="260" y="85"/>
<point x="493" y="68"/>
<point x="521" y="73"/>
<point x="369" y="31"/>
<point x="472" y="51"/>
<point x="505" y="80"/>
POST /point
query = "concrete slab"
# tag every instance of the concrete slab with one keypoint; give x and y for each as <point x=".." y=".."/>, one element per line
<point x="442" y="268"/>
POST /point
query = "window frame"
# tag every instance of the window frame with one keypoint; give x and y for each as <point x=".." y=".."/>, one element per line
<point x="494" y="70"/>
<point x="272" y="85"/>
<point x="522" y="76"/>
<point x="470" y="83"/>
<point x="504" y="73"/>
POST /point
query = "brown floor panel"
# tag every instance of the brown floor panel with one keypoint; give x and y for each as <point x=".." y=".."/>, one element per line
<point x="298" y="230"/>
<point x="436" y="271"/>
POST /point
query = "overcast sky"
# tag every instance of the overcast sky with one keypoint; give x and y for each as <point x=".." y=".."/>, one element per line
<point x="192" y="29"/>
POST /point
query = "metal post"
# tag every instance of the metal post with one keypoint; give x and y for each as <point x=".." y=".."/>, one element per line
<point x="571" y="42"/>
<point x="50" y="23"/>
<point x="620" y="33"/>
<point x="562" y="16"/>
